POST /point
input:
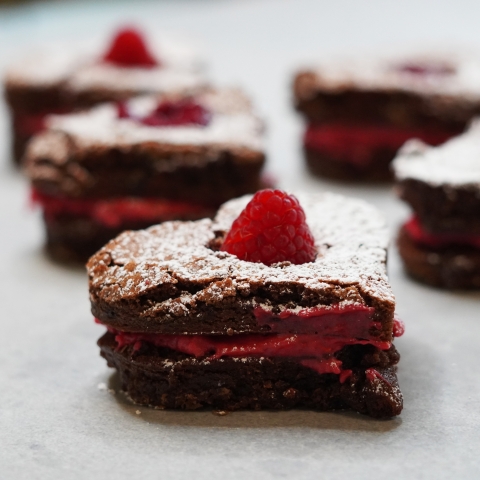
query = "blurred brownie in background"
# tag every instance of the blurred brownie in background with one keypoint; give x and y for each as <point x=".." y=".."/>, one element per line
<point x="440" y="244"/>
<point x="133" y="164"/>
<point x="65" y="78"/>
<point x="359" y="112"/>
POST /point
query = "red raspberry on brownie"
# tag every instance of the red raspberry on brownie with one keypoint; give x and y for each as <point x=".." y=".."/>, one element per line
<point x="271" y="229"/>
<point x="359" y="112"/>
<point x="191" y="326"/>
<point x="129" y="49"/>
<point x="74" y="77"/>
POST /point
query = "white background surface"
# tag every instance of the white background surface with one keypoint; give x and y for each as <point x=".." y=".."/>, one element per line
<point x="54" y="420"/>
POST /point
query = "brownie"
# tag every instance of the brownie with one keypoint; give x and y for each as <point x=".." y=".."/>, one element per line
<point x="166" y="379"/>
<point x="440" y="245"/>
<point x="170" y="285"/>
<point x="64" y="78"/>
<point x="452" y="267"/>
<point x="105" y="160"/>
<point x="360" y="112"/>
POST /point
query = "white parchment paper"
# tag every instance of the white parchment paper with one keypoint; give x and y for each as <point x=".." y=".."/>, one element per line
<point x="60" y="417"/>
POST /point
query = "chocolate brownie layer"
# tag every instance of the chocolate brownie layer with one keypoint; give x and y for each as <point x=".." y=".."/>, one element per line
<point x="437" y="91"/>
<point x="205" y="174"/>
<point x="400" y="109"/>
<point x="98" y="155"/>
<point x="75" y="238"/>
<point x="442" y="184"/>
<point x="163" y="378"/>
<point x="453" y="267"/>
<point x="443" y="208"/>
<point x="376" y="170"/>
<point x="172" y="279"/>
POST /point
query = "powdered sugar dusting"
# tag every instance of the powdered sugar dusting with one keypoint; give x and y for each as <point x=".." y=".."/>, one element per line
<point x="460" y="77"/>
<point x="79" y="66"/>
<point x="456" y="162"/>
<point x="351" y="238"/>
<point x="233" y="123"/>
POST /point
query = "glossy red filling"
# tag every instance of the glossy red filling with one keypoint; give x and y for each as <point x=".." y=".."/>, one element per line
<point x="115" y="212"/>
<point x="438" y="240"/>
<point x="315" y="351"/>
<point x="169" y="113"/>
<point x="347" y="321"/>
<point x="357" y="144"/>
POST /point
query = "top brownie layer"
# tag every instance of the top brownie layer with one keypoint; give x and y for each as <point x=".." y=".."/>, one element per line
<point x="172" y="278"/>
<point x="442" y="184"/>
<point x="75" y="76"/>
<point x="429" y="91"/>
<point x="98" y="154"/>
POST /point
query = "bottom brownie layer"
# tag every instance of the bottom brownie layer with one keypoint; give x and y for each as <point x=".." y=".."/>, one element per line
<point x="453" y="267"/>
<point x="376" y="170"/>
<point x="73" y="238"/>
<point x="161" y="377"/>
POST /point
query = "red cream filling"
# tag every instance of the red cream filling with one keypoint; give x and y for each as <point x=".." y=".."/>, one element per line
<point x="357" y="144"/>
<point x="114" y="212"/>
<point x="313" y="350"/>
<point x="438" y="240"/>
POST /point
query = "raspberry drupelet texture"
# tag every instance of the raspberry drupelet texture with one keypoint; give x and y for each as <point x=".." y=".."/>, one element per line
<point x="271" y="229"/>
<point x="128" y="49"/>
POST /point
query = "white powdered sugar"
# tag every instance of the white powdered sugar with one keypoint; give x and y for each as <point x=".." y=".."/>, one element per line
<point x="79" y="67"/>
<point x="456" y="162"/>
<point x="351" y="239"/>
<point x="232" y="123"/>
<point x="446" y="75"/>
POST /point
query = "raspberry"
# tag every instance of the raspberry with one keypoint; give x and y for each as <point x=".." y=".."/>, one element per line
<point x="168" y="113"/>
<point x="183" y="112"/>
<point x="271" y="229"/>
<point x="128" y="49"/>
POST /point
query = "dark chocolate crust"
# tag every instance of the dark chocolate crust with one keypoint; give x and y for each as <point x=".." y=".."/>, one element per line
<point x="443" y="208"/>
<point x="29" y="100"/>
<point x="163" y="378"/>
<point x="172" y="279"/>
<point x="386" y="107"/>
<point x="209" y="175"/>
<point x="376" y="170"/>
<point x="454" y="267"/>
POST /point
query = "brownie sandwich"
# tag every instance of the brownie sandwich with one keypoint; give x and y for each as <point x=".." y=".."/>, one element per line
<point x="256" y="309"/>
<point x="61" y="79"/>
<point x="359" y="112"/>
<point x="141" y="162"/>
<point x="440" y="244"/>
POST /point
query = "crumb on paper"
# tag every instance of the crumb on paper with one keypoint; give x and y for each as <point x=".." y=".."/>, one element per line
<point x="102" y="386"/>
<point x="138" y="412"/>
<point x="220" y="413"/>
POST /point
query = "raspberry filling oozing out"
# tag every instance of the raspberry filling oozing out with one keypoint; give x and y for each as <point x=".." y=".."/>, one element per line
<point x="115" y="212"/>
<point x="185" y="112"/>
<point x="357" y="144"/>
<point x="438" y="240"/>
<point x="315" y="351"/>
<point x="129" y="49"/>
